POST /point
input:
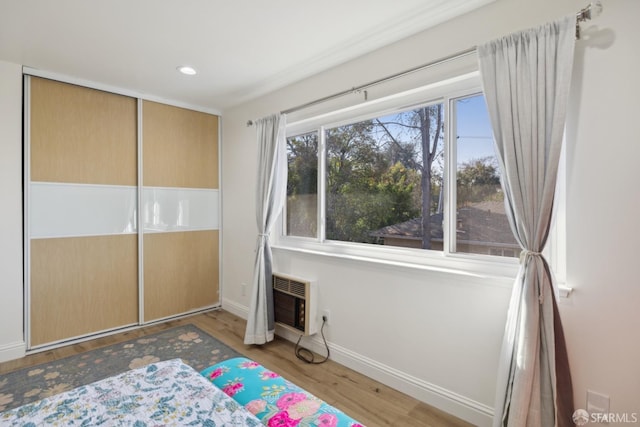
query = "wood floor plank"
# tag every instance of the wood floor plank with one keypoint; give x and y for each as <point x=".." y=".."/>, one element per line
<point x="370" y="402"/>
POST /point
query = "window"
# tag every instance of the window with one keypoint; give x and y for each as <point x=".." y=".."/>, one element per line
<point x="482" y="226"/>
<point x="302" y="185"/>
<point x="424" y="177"/>
<point x="382" y="174"/>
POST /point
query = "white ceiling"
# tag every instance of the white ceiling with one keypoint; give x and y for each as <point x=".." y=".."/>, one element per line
<point x="241" y="48"/>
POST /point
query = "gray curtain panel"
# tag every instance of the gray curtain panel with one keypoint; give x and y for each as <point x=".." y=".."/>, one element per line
<point x="526" y="78"/>
<point x="270" y="194"/>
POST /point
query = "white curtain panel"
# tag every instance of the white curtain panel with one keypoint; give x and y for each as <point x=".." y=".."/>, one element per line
<point x="270" y="195"/>
<point x="526" y="78"/>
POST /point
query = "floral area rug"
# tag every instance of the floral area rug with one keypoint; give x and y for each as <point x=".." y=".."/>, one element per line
<point x="189" y="343"/>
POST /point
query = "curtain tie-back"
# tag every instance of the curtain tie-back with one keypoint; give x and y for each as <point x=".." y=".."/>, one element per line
<point x="526" y="252"/>
<point x="523" y="255"/>
<point x="263" y="239"/>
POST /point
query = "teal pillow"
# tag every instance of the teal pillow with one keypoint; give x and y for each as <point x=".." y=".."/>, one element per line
<point x="271" y="398"/>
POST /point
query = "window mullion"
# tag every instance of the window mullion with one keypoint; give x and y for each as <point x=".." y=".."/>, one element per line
<point x="322" y="183"/>
<point x="449" y="217"/>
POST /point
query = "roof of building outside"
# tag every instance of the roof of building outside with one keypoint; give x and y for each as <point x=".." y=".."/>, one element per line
<point x="481" y="222"/>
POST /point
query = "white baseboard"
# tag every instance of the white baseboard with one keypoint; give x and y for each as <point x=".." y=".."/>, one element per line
<point x="12" y="351"/>
<point x="235" y="308"/>
<point x="460" y="406"/>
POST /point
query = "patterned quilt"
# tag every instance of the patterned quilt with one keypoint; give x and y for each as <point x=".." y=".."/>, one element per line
<point x="166" y="393"/>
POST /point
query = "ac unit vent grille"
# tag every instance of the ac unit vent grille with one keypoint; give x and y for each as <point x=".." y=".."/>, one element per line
<point x="280" y="283"/>
<point x="293" y="287"/>
<point x="297" y="288"/>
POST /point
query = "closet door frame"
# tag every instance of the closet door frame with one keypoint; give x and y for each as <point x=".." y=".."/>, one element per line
<point x="27" y="74"/>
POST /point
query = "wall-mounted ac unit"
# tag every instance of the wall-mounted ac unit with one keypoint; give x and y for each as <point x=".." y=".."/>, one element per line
<point x="295" y="304"/>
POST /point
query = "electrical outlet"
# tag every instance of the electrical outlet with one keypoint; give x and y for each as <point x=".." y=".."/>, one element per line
<point x="597" y="403"/>
<point x="244" y="289"/>
<point x="326" y="314"/>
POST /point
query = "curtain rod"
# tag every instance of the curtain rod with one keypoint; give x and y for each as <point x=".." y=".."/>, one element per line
<point x="589" y="12"/>
<point x="365" y="86"/>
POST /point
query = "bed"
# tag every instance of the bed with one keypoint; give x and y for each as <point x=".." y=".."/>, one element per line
<point x="237" y="392"/>
<point x="168" y="393"/>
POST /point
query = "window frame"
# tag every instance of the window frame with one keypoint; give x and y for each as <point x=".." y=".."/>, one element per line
<point x="446" y="91"/>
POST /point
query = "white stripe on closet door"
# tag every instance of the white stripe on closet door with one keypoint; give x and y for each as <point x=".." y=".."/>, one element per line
<point x="179" y="209"/>
<point x="73" y="210"/>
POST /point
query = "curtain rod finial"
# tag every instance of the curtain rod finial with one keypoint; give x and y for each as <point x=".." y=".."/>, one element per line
<point x="249" y="123"/>
<point x="595" y="9"/>
<point x="592" y="10"/>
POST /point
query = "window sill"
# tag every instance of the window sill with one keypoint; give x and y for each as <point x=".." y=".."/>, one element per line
<point x="479" y="266"/>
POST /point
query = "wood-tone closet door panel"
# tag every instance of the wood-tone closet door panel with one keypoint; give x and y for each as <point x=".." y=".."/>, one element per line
<point x="83" y="143"/>
<point x="180" y="272"/>
<point x="82" y="285"/>
<point x="180" y="152"/>
<point x="180" y="147"/>
<point x="82" y="135"/>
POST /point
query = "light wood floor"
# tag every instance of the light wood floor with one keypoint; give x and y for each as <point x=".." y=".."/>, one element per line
<point x="364" y="399"/>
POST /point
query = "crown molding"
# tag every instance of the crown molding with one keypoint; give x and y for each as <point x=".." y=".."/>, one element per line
<point x="420" y="19"/>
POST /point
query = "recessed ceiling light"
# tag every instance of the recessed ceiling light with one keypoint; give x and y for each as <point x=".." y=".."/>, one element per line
<point x="189" y="71"/>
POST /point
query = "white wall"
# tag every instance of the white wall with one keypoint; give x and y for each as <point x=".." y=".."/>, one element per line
<point x="602" y="319"/>
<point x="436" y="335"/>
<point x="11" y="336"/>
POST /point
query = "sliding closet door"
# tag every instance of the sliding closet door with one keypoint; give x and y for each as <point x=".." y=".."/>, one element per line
<point x="81" y="180"/>
<point x="180" y="210"/>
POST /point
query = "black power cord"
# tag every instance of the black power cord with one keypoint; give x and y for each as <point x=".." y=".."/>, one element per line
<point x="307" y="355"/>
